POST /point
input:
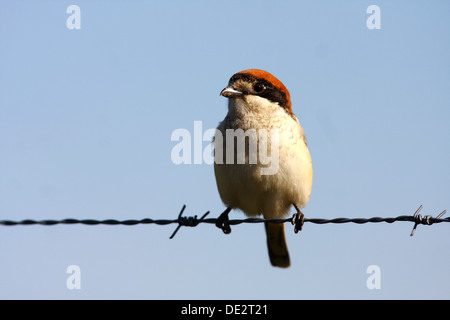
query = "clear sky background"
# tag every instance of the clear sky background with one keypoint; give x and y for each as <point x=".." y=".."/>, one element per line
<point x="86" y="118"/>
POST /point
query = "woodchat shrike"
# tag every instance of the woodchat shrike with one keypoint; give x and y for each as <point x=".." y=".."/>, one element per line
<point x="257" y="103"/>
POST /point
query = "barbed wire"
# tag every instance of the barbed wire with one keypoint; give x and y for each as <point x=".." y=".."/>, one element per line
<point x="184" y="221"/>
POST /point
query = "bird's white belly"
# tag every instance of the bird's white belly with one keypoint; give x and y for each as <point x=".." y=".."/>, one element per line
<point x="242" y="186"/>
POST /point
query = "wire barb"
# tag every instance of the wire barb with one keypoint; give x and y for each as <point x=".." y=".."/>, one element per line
<point x="187" y="221"/>
<point x="428" y="220"/>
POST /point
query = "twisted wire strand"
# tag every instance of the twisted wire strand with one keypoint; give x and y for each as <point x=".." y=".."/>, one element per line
<point x="194" y="221"/>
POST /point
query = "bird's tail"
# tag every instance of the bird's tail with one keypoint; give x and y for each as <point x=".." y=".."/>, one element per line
<point x="276" y="243"/>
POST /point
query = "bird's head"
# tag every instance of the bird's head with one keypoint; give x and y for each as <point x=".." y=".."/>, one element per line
<point x="258" y="83"/>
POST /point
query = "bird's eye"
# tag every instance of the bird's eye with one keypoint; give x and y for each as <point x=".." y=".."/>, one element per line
<point x="258" y="87"/>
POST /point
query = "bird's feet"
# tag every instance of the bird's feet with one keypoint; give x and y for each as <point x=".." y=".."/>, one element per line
<point x="298" y="219"/>
<point x="223" y="222"/>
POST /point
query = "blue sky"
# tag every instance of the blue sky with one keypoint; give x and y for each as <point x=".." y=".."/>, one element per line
<point x="86" y="118"/>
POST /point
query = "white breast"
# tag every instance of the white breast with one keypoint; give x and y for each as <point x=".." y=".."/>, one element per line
<point x="242" y="186"/>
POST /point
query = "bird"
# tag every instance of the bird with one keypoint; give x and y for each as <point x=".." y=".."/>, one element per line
<point x="259" y="102"/>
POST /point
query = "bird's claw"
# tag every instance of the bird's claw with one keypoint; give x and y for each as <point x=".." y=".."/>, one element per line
<point x="297" y="220"/>
<point x="223" y="222"/>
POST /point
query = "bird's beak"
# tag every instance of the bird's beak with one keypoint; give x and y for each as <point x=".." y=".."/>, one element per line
<point x="229" y="92"/>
